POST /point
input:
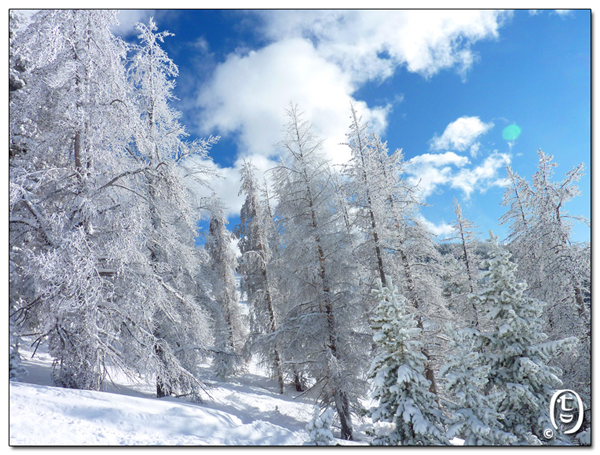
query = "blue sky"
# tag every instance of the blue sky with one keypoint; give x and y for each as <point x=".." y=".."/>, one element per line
<point x="441" y="85"/>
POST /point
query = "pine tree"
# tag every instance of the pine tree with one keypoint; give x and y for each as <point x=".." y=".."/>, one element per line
<point x="319" y="428"/>
<point x="398" y="376"/>
<point x="474" y="416"/>
<point x="517" y="351"/>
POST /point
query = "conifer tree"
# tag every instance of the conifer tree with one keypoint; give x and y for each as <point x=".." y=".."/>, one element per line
<point x="170" y="222"/>
<point x="393" y="240"/>
<point x="555" y="268"/>
<point x="229" y="332"/>
<point x="76" y="232"/>
<point x="516" y="350"/>
<point x="257" y="277"/>
<point x="467" y="275"/>
<point x="474" y="416"/>
<point x="319" y="428"/>
<point x="398" y="376"/>
<point x="320" y="330"/>
<point x="104" y="272"/>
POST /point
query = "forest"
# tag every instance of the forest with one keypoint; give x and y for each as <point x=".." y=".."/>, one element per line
<point x="350" y="296"/>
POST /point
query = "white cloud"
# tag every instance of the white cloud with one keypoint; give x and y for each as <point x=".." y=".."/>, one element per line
<point x="227" y="186"/>
<point x="563" y="12"/>
<point x="482" y="176"/>
<point x="318" y="60"/>
<point x="127" y="18"/>
<point x="371" y="44"/>
<point x="249" y="94"/>
<point x="442" y="229"/>
<point x="460" y="135"/>
<point x="429" y="171"/>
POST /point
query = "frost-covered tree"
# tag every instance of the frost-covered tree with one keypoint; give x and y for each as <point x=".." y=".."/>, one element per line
<point x="555" y="268"/>
<point x="79" y="232"/>
<point x="254" y="267"/>
<point x="159" y="152"/>
<point x="322" y="329"/>
<point x="473" y="413"/>
<point x="394" y="241"/>
<point x="84" y="277"/>
<point x="516" y="350"/>
<point x="228" y="328"/>
<point x="319" y="428"/>
<point x="399" y="384"/>
<point x="367" y="191"/>
<point x="467" y="274"/>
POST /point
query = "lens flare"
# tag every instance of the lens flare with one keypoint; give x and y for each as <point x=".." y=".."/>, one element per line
<point x="511" y="132"/>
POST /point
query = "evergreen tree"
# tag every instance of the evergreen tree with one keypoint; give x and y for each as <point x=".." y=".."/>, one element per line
<point x="516" y="350"/>
<point x="398" y="376"/>
<point x="319" y="428"/>
<point x="474" y="416"/>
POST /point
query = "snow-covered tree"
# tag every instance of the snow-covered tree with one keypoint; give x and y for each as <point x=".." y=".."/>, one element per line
<point x="159" y="152"/>
<point x="76" y="238"/>
<point x="320" y="330"/>
<point x="555" y="268"/>
<point x="366" y="189"/>
<point x="394" y="241"/>
<point x="474" y="416"/>
<point x="516" y="350"/>
<point x="229" y="331"/>
<point x="399" y="384"/>
<point x="81" y="193"/>
<point x="257" y="279"/>
<point x="467" y="273"/>
<point x="319" y="428"/>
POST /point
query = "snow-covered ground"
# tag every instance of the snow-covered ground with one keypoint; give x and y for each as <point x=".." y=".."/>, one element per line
<point x="246" y="411"/>
<point x="242" y="413"/>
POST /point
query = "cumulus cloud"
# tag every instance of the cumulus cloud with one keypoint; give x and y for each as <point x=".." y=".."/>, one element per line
<point x="249" y="94"/>
<point x="429" y="171"/>
<point x="442" y="229"/>
<point x="461" y="135"/>
<point x="371" y="44"/>
<point x="483" y="176"/>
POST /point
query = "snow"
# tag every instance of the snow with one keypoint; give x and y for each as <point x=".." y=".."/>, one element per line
<point x="246" y="411"/>
<point x="43" y="415"/>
